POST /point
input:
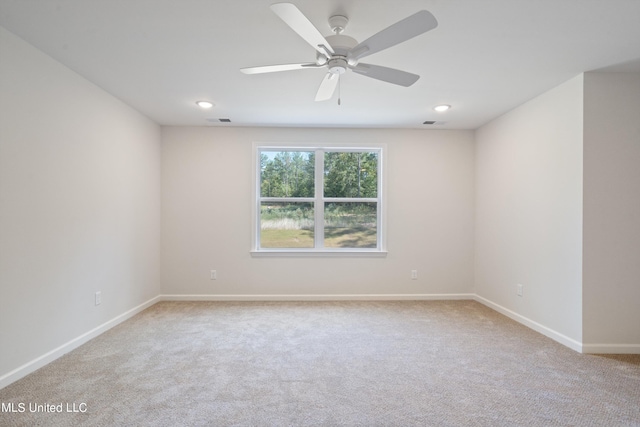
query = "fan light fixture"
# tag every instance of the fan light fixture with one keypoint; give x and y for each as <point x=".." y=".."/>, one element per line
<point x="204" y="104"/>
<point x="441" y="108"/>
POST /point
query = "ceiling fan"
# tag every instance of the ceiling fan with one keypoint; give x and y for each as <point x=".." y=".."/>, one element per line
<point x="339" y="53"/>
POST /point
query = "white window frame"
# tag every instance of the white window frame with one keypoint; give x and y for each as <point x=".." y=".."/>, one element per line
<point x="319" y="201"/>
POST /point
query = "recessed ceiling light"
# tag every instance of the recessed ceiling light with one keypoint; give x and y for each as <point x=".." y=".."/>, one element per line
<point x="442" y="107"/>
<point x="204" y="104"/>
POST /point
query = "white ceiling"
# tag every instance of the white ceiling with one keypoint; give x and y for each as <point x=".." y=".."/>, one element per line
<point x="484" y="58"/>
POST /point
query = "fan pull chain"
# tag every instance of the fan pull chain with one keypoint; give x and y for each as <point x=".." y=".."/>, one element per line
<point x="339" y="89"/>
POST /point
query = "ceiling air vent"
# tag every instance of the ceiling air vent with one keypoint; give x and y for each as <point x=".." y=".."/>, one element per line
<point x="433" y="122"/>
<point x="216" y="120"/>
<point x="225" y="120"/>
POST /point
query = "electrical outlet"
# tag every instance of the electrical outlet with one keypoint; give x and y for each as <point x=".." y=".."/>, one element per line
<point x="214" y="275"/>
<point x="98" y="298"/>
<point x="519" y="291"/>
<point x="414" y="274"/>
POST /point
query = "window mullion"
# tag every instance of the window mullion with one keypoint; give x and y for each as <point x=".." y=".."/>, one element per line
<point x="288" y="199"/>
<point x="351" y="199"/>
<point x="319" y="202"/>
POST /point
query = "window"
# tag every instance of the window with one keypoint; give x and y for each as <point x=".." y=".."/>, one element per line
<point x="318" y="200"/>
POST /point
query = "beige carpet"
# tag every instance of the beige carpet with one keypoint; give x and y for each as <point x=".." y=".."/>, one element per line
<point x="431" y="363"/>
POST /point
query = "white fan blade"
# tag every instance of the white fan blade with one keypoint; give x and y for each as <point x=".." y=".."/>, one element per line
<point x="275" y="68"/>
<point x="299" y="23"/>
<point x="327" y="87"/>
<point x="414" y="25"/>
<point x="389" y="75"/>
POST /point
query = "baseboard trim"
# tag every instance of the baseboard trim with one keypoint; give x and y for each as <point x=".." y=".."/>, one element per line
<point x="54" y="354"/>
<point x="611" y="348"/>
<point x="318" y="297"/>
<point x="548" y="332"/>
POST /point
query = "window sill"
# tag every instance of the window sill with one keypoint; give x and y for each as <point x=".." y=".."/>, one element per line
<point x="349" y="253"/>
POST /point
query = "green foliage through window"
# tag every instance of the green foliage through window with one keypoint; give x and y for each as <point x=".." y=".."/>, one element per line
<point x="290" y="208"/>
<point x="350" y="174"/>
<point x="287" y="174"/>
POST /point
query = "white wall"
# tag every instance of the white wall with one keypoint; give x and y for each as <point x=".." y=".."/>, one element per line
<point x="79" y="205"/>
<point x="611" y="287"/>
<point x="206" y="216"/>
<point x="529" y="212"/>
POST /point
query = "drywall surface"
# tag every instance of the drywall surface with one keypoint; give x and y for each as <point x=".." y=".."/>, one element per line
<point x="529" y="210"/>
<point x="207" y="202"/>
<point x="611" y="283"/>
<point x="79" y="205"/>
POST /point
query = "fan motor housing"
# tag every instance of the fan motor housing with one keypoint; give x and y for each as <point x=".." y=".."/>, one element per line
<point x="341" y="44"/>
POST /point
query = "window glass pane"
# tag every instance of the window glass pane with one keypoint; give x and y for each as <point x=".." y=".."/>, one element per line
<point x="350" y="174"/>
<point x="287" y="173"/>
<point x="350" y="225"/>
<point x="286" y="225"/>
